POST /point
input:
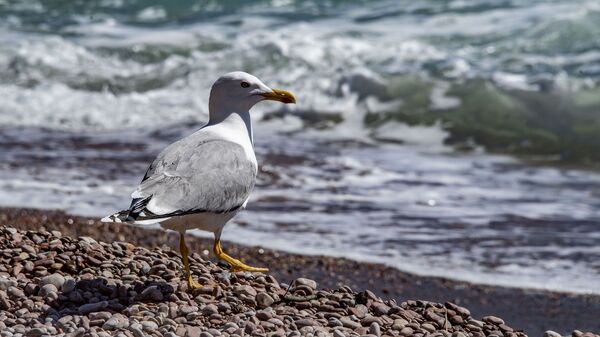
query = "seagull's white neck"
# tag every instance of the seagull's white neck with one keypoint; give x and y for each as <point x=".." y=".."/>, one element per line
<point x="232" y="113"/>
<point x="239" y="122"/>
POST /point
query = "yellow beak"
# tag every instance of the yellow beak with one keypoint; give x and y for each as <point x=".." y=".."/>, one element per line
<point x="280" y="96"/>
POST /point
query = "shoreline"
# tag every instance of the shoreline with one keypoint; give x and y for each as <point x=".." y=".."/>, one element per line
<point x="418" y="273"/>
<point x="532" y="310"/>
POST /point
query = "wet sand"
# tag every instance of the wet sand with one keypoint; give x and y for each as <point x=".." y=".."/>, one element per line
<point x="533" y="311"/>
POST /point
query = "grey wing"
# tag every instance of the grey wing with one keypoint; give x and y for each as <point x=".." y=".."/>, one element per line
<point x="192" y="176"/>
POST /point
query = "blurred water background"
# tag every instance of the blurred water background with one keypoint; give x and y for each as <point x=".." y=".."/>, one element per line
<point x="449" y="138"/>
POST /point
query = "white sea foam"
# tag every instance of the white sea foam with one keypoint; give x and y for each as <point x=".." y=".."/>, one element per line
<point x="152" y="13"/>
<point x="430" y="136"/>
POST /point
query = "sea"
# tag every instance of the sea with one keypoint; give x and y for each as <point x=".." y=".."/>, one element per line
<point x="91" y="91"/>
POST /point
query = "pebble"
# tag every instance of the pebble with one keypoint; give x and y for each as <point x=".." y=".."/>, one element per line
<point x="493" y="320"/>
<point x="264" y="300"/>
<point x="460" y="310"/>
<point x="406" y="331"/>
<point x="48" y="289"/>
<point x="55" y="279"/>
<point x="349" y="323"/>
<point x="224" y="307"/>
<point x="399" y="323"/>
<point x="475" y="322"/>
<point x="359" y="310"/>
<point x="334" y="322"/>
<point x="91" y="307"/>
<point x="101" y="315"/>
<point x="191" y="331"/>
<point x="152" y="293"/>
<point x="5" y="283"/>
<point x="210" y="309"/>
<point x="338" y="333"/>
<point x="264" y="315"/>
<point x="306" y="282"/>
<point x="380" y="309"/>
<point x="374" y="329"/>
<point x="36" y="332"/>
<point x="245" y="290"/>
<point x="368" y="320"/>
<point x="550" y="333"/>
<point x="117" y="321"/>
<point x="428" y="327"/>
<point x="149" y="325"/>
<point x="15" y="292"/>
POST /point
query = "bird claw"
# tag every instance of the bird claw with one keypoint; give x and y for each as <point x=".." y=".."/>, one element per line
<point x="192" y="285"/>
<point x="244" y="267"/>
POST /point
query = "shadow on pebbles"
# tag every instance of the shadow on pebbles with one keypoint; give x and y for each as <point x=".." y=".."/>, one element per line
<point x="53" y="285"/>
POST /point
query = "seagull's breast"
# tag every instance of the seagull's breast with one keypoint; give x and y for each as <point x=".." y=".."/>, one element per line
<point x="235" y="130"/>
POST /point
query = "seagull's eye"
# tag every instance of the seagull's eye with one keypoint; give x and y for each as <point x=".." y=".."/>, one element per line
<point x="245" y="84"/>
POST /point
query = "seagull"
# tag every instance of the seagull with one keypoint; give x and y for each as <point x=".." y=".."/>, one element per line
<point x="203" y="180"/>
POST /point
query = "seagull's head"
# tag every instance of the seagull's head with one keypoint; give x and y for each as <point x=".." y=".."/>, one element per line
<point x="239" y="91"/>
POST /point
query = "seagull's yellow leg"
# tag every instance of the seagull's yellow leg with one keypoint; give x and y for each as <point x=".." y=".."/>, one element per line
<point x="236" y="265"/>
<point x="186" y="263"/>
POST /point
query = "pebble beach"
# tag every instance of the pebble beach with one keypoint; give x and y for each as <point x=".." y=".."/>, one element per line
<point x="71" y="276"/>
